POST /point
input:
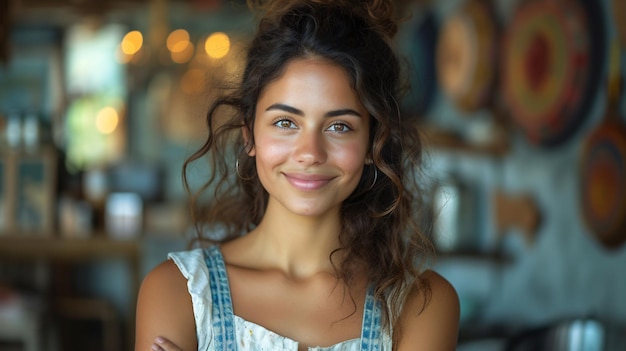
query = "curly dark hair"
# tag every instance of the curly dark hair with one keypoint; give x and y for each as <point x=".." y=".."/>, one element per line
<point x="382" y="229"/>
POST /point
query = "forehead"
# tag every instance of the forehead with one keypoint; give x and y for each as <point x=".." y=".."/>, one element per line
<point x="310" y="80"/>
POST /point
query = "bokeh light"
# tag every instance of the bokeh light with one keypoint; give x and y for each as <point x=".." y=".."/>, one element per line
<point x="132" y="42"/>
<point x="217" y="45"/>
<point x="184" y="55"/>
<point x="107" y="120"/>
<point x="178" y="41"/>
<point x="193" y="81"/>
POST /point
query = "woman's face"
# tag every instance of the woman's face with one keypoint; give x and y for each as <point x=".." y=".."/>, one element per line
<point x="311" y="137"/>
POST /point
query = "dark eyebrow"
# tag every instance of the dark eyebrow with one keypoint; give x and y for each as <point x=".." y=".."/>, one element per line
<point x="285" y="108"/>
<point x="295" y="111"/>
<point x="345" y="111"/>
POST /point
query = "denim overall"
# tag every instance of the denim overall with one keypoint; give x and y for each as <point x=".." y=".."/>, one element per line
<point x="225" y="334"/>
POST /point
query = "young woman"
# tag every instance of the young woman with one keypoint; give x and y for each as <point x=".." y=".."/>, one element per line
<point x="315" y="200"/>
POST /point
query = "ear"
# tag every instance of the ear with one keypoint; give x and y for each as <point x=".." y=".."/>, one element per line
<point x="368" y="159"/>
<point x="247" y="141"/>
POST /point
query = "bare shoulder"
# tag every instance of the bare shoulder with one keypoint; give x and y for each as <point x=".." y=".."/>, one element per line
<point x="430" y="316"/>
<point x="164" y="309"/>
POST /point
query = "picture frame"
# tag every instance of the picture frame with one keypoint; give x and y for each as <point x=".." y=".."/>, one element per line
<point x="35" y="183"/>
<point x="27" y="193"/>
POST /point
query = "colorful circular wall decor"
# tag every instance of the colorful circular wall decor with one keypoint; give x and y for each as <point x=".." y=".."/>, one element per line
<point x="466" y="55"/>
<point x="603" y="171"/>
<point x="546" y="70"/>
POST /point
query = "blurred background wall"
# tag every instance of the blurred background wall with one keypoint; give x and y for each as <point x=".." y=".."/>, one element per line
<point x="523" y="113"/>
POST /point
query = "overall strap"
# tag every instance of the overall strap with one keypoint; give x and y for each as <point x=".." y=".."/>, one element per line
<point x="371" y="329"/>
<point x="222" y="309"/>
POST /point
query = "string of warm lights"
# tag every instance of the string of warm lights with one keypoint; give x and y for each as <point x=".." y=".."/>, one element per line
<point x="181" y="49"/>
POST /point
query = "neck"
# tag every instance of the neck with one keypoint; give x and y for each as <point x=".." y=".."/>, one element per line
<point x="300" y="246"/>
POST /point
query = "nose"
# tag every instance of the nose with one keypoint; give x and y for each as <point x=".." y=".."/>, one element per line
<point x="310" y="148"/>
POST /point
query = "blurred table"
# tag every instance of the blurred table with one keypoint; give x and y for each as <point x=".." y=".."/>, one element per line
<point x="54" y="249"/>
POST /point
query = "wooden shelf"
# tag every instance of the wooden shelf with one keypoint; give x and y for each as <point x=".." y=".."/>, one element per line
<point x="437" y="138"/>
<point x="64" y="249"/>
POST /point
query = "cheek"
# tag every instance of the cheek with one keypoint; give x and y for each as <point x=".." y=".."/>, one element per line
<point x="269" y="150"/>
<point x="351" y="156"/>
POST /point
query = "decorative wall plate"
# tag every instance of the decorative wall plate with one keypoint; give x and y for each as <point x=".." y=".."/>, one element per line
<point x="546" y="68"/>
<point x="603" y="195"/>
<point x="466" y="55"/>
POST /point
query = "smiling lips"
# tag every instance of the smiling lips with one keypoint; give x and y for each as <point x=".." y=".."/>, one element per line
<point x="307" y="182"/>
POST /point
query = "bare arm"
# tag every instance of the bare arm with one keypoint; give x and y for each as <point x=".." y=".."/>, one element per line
<point x="164" y="309"/>
<point x="435" y="328"/>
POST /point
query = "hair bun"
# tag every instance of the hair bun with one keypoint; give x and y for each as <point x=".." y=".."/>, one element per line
<point x="380" y="14"/>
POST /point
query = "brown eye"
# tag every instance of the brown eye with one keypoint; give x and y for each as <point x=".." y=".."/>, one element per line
<point x="339" y="128"/>
<point x="284" y="123"/>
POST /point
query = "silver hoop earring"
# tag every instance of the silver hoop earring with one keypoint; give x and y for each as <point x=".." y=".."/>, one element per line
<point x="375" y="178"/>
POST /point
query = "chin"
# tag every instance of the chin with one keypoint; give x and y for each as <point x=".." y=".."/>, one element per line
<point x="312" y="211"/>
